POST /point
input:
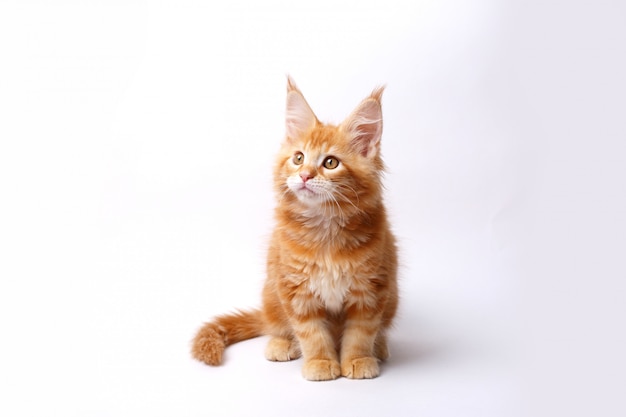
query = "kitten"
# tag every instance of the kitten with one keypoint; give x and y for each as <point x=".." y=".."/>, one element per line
<point x="331" y="291"/>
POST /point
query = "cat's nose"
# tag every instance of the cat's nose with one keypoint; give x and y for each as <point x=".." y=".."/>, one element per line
<point x="305" y="175"/>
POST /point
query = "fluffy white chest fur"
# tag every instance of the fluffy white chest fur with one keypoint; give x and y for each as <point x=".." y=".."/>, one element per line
<point x="330" y="284"/>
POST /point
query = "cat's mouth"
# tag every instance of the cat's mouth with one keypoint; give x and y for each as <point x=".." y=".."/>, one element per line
<point x="304" y="189"/>
<point x="306" y="193"/>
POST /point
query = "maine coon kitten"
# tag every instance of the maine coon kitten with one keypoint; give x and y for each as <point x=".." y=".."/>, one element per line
<point x="331" y="291"/>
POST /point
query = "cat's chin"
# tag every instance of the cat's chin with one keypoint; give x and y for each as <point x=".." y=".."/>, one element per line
<point x="308" y="197"/>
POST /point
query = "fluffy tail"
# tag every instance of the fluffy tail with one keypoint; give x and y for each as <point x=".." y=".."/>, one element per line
<point x="212" y="338"/>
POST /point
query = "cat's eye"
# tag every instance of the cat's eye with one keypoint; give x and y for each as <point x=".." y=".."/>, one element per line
<point x="331" y="162"/>
<point x="298" y="158"/>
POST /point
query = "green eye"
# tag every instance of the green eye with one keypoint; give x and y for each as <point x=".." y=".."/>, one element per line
<point x="298" y="158"/>
<point x="331" y="162"/>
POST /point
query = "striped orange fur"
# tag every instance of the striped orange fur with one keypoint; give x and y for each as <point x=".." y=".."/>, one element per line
<point x="331" y="290"/>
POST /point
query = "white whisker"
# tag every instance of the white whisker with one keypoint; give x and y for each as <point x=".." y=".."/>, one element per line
<point x="346" y="199"/>
<point x="342" y="186"/>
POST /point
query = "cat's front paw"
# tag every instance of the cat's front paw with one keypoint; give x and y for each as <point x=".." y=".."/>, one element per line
<point x="360" y="368"/>
<point x="321" y="370"/>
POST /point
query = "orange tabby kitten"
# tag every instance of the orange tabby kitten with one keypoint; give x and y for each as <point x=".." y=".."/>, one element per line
<point x="331" y="290"/>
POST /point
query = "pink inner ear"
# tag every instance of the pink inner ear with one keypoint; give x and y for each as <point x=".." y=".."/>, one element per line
<point x="299" y="117"/>
<point x="365" y="141"/>
<point x="366" y="125"/>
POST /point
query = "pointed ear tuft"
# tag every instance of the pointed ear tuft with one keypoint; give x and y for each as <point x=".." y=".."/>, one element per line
<point x="299" y="116"/>
<point x="377" y="94"/>
<point x="365" y="125"/>
<point x="291" y="84"/>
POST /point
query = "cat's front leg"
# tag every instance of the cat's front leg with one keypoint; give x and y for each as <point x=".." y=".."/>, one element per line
<point x="358" y="359"/>
<point x="307" y="320"/>
<point x="318" y="348"/>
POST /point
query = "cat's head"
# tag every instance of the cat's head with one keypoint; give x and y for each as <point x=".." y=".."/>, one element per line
<point x="323" y="166"/>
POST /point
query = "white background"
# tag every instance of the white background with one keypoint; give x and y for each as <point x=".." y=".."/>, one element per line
<point x="137" y="141"/>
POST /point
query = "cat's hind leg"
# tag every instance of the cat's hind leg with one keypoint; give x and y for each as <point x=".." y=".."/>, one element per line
<point x="281" y="349"/>
<point x="381" y="351"/>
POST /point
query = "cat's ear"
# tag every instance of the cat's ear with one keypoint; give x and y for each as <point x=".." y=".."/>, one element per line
<point x="299" y="116"/>
<point x="365" y="125"/>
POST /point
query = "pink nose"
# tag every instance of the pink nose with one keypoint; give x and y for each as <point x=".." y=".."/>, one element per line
<point x="305" y="176"/>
